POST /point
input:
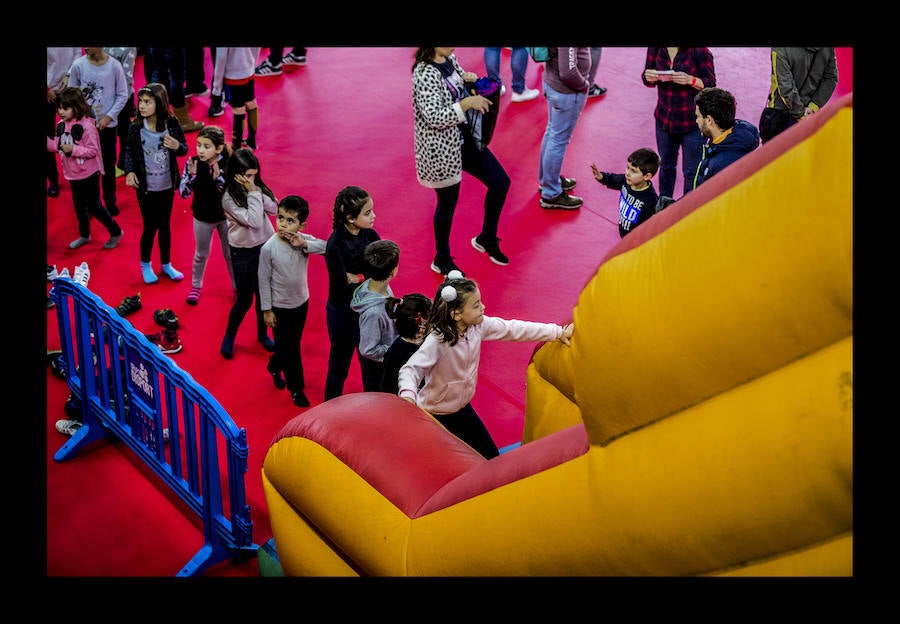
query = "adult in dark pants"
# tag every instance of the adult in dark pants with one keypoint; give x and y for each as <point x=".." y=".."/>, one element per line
<point x="354" y="216"/>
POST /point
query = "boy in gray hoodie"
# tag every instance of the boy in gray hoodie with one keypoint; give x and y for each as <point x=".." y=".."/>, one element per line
<point x="376" y="328"/>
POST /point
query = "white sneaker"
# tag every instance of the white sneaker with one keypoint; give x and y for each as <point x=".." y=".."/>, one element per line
<point x="65" y="273"/>
<point x="525" y="96"/>
<point x="52" y="273"/>
<point x="68" y="427"/>
<point x="82" y="274"/>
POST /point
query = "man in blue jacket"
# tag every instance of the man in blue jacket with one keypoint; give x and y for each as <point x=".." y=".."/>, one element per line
<point x="727" y="138"/>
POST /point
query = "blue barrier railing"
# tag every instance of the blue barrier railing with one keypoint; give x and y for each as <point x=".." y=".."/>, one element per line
<point x="128" y="389"/>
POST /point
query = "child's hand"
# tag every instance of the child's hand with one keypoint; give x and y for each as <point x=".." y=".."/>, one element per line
<point x="269" y="318"/>
<point x="131" y="180"/>
<point x="192" y="167"/>
<point x="567" y="334"/>
<point x="597" y="175"/>
<point x="214" y="169"/>
<point x="170" y="142"/>
<point x="651" y="75"/>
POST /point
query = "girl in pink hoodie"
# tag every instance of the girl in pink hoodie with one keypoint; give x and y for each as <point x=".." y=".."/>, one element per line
<point x="447" y="361"/>
<point x="78" y="143"/>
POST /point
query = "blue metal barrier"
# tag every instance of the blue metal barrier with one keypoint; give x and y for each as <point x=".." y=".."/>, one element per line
<point x="130" y="390"/>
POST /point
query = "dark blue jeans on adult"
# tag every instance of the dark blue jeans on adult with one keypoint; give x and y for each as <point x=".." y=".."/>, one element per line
<point x="343" y="332"/>
<point x="168" y="69"/>
<point x="668" y="144"/>
<point x="484" y="167"/>
<point x="245" y="262"/>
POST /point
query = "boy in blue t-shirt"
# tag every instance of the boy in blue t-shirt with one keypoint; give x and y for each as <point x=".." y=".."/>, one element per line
<point x="637" y="200"/>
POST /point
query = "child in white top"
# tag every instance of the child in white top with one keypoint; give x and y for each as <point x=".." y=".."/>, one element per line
<point x="448" y="359"/>
<point x="284" y="292"/>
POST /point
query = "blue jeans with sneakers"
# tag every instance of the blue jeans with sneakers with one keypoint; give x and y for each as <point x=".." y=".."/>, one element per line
<point x="564" y="109"/>
<point x="518" y="63"/>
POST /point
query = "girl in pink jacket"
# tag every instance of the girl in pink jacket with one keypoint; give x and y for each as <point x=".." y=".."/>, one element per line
<point x="78" y="143"/>
<point x="448" y="359"/>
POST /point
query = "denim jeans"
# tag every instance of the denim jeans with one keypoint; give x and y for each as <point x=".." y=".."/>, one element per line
<point x="691" y="144"/>
<point x="518" y="63"/>
<point x="563" y="111"/>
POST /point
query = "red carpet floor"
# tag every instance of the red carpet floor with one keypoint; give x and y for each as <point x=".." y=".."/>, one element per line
<point x="322" y="128"/>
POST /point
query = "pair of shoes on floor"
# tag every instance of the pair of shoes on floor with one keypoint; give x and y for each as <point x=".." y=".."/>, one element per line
<point x="294" y="59"/>
<point x="165" y="318"/>
<point x="193" y="296"/>
<point x="55" y="362"/>
<point x="596" y="91"/>
<point x="52" y="273"/>
<point x="492" y="248"/>
<point x="267" y="69"/>
<point x="68" y="427"/>
<point x="227" y="348"/>
<point x="79" y="242"/>
<point x="267" y="343"/>
<point x="299" y="399"/>
<point x="129" y="305"/>
<point x="526" y="96"/>
<point x="53" y="189"/>
<point x="445" y="264"/>
<point x="166" y="340"/>
<point x="50" y="303"/>
<point x="82" y="274"/>
<point x="277" y="378"/>
<point x="114" y="240"/>
<point x="563" y="201"/>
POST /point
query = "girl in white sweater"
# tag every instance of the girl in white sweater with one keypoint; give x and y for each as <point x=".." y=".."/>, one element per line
<point x="448" y="359"/>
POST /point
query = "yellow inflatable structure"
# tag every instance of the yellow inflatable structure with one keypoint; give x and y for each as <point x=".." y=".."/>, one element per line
<point x="699" y="425"/>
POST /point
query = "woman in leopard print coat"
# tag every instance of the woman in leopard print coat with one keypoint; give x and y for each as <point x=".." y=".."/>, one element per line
<point x="444" y="149"/>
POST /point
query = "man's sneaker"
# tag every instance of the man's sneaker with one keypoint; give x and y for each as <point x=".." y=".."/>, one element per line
<point x="267" y="69"/>
<point x="596" y="91"/>
<point x="492" y="248"/>
<point x="568" y="184"/>
<point x="562" y="201"/>
<point x="52" y="273"/>
<point x="68" y="427"/>
<point x="525" y="96"/>
<point x="215" y="106"/>
<point x="199" y="90"/>
<point x="444" y="265"/>
<point x="293" y="59"/>
<point x="167" y="340"/>
<point x="129" y="305"/>
<point x="82" y="274"/>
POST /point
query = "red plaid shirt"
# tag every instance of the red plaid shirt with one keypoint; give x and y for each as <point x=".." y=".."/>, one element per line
<point x="675" y="102"/>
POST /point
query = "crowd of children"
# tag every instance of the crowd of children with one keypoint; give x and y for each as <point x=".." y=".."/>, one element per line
<point x="424" y="350"/>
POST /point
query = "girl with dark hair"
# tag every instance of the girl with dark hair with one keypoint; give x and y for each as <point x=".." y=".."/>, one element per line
<point x="247" y="202"/>
<point x="352" y="221"/>
<point x="410" y="316"/>
<point x="155" y="140"/>
<point x="78" y="143"/>
<point x="440" y="376"/>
